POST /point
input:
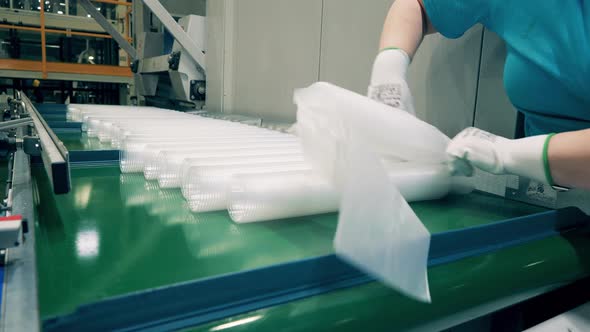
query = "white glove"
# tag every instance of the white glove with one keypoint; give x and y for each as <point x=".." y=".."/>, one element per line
<point x="388" y="80"/>
<point x="525" y="157"/>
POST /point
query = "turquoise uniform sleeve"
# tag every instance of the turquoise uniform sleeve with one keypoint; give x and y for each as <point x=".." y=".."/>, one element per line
<point x="453" y="17"/>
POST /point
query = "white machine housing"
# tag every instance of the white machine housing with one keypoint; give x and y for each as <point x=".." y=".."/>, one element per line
<point x="10" y="231"/>
<point x="187" y="75"/>
<point x="187" y="80"/>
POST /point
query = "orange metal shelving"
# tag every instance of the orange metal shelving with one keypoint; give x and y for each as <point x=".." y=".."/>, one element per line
<point x="46" y="67"/>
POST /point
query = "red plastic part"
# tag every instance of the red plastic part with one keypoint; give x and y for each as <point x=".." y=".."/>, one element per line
<point x="11" y="218"/>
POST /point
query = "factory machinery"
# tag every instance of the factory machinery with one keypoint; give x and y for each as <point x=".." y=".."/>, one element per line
<point x="114" y="220"/>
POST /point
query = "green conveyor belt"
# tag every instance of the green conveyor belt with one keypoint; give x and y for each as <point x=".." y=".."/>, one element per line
<point x="80" y="142"/>
<point x="116" y="233"/>
<point x="470" y="284"/>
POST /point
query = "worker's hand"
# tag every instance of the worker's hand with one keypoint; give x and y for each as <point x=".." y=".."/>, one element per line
<point x="476" y="148"/>
<point x="498" y="155"/>
<point x="388" y="80"/>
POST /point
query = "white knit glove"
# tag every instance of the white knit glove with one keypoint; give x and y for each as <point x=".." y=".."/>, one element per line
<point x="525" y="157"/>
<point x="388" y="80"/>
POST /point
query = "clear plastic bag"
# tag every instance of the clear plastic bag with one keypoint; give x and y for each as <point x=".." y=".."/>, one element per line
<point x="329" y="118"/>
<point x="377" y="230"/>
<point x="347" y="137"/>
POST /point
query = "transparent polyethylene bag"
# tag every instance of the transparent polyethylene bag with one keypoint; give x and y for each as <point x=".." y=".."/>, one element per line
<point x="379" y="232"/>
<point x="346" y="137"/>
<point x="329" y="118"/>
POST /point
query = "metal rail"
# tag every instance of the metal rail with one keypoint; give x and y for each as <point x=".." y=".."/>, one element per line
<point x="57" y="31"/>
<point x="15" y="123"/>
<point x="53" y="152"/>
<point x="113" y="2"/>
<point x="54" y="69"/>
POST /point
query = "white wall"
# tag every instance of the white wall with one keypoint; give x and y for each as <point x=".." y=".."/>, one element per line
<point x="351" y="31"/>
<point x="276" y="50"/>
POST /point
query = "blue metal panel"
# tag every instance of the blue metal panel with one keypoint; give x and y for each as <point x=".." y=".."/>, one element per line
<point x="88" y="158"/>
<point x="52" y="112"/>
<point x="52" y="108"/>
<point x="475" y="241"/>
<point x="202" y="301"/>
<point x="54" y="117"/>
<point x="94" y="158"/>
<point x="63" y="127"/>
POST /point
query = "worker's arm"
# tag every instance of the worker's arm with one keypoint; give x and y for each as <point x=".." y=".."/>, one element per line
<point x="403" y="31"/>
<point x="562" y="159"/>
<point x="405" y="26"/>
<point x="569" y="159"/>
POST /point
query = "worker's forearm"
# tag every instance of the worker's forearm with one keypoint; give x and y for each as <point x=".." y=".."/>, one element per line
<point x="569" y="159"/>
<point x="403" y="27"/>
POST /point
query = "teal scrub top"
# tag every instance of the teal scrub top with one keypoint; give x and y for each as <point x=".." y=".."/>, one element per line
<point x="547" y="70"/>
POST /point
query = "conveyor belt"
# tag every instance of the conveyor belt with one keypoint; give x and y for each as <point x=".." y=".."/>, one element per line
<point x="115" y="234"/>
<point x="470" y="288"/>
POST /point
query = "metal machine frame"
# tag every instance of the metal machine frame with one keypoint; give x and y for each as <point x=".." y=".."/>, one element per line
<point x="52" y="151"/>
<point x="20" y="304"/>
<point x="20" y="310"/>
